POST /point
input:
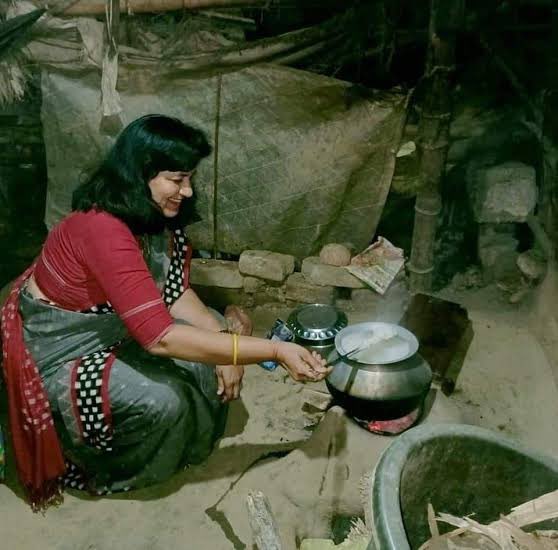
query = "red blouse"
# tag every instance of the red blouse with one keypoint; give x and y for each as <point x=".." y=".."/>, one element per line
<point x="91" y="258"/>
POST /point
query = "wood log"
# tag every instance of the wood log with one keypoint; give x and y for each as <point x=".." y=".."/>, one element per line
<point x="262" y="523"/>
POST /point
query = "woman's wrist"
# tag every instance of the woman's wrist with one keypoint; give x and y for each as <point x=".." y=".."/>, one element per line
<point x="275" y="346"/>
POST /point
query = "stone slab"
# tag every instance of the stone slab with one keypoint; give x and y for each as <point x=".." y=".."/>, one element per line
<point x="299" y="289"/>
<point x="328" y="275"/>
<point x="266" y="265"/>
<point x="219" y="273"/>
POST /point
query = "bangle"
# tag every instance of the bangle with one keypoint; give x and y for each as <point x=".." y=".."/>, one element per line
<point x="235" y="348"/>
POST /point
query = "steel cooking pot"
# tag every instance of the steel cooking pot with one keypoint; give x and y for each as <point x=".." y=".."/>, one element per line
<point x="377" y="390"/>
<point x="315" y="326"/>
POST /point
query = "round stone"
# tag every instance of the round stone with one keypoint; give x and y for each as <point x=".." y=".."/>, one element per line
<point x="335" y="254"/>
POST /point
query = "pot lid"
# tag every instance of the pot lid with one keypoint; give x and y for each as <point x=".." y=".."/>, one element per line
<point x="316" y="322"/>
<point x="376" y="343"/>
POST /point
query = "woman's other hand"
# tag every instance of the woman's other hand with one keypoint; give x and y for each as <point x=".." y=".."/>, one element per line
<point x="229" y="381"/>
<point x="238" y="320"/>
<point x="302" y="364"/>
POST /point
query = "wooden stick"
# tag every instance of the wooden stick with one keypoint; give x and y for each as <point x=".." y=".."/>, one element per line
<point x="113" y="25"/>
<point x="264" y="530"/>
<point x="244" y="21"/>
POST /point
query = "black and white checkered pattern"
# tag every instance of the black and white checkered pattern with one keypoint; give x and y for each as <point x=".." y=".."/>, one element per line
<point x="100" y="309"/>
<point x="89" y="379"/>
<point x="74" y="477"/>
<point x="174" y="286"/>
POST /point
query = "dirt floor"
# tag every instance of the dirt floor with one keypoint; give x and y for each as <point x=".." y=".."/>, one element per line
<point x="506" y="384"/>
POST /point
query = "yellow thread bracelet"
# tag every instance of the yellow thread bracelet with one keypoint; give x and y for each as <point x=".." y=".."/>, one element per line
<point x="235" y="348"/>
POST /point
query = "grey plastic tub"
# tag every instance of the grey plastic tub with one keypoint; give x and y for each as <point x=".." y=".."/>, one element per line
<point x="461" y="470"/>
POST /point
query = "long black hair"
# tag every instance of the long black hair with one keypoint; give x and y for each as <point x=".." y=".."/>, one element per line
<point x="149" y="145"/>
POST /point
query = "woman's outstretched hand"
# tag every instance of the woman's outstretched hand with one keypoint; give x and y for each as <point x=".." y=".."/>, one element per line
<point x="302" y="365"/>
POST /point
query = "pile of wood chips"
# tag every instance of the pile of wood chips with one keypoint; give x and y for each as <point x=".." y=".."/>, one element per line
<point x="505" y="534"/>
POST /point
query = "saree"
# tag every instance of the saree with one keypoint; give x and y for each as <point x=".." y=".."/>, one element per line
<point x="112" y="417"/>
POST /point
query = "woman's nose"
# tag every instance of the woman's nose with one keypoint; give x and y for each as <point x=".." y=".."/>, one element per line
<point x="186" y="190"/>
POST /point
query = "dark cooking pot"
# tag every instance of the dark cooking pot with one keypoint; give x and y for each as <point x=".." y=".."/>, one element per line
<point x="378" y="391"/>
<point x="315" y="326"/>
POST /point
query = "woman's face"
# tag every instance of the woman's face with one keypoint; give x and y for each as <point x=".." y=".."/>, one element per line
<point x="169" y="189"/>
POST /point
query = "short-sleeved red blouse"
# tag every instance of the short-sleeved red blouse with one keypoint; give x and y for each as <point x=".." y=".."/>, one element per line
<point x="91" y="258"/>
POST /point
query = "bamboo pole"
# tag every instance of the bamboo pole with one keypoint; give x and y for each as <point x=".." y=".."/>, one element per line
<point x="549" y="195"/>
<point x="97" y="7"/>
<point x="432" y="143"/>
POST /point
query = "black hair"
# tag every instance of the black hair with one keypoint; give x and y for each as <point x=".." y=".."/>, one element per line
<point x="149" y="145"/>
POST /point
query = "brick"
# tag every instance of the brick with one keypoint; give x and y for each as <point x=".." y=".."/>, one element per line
<point x="497" y="251"/>
<point x="219" y="273"/>
<point x="253" y="284"/>
<point x="328" y="275"/>
<point x="266" y="265"/>
<point x="503" y="193"/>
<point x="269" y="295"/>
<point x="299" y="289"/>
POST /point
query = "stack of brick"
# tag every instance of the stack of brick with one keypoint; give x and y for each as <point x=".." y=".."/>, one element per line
<point x="261" y="277"/>
<point x="502" y="198"/>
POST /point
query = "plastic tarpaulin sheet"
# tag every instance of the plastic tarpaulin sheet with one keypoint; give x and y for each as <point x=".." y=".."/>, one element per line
<point x="302" y="160"/>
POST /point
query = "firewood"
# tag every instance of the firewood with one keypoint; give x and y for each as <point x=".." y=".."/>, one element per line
<point x="262" y="523"/>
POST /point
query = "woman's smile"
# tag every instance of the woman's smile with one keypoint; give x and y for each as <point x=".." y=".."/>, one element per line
<point x="169" y="189"/>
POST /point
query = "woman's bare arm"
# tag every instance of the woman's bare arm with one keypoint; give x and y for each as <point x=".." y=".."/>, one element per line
<point x="197" y="344"/>
<point x="190" y="308"/>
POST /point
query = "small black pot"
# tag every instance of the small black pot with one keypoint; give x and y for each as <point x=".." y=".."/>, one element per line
<point x="366" y="409"/>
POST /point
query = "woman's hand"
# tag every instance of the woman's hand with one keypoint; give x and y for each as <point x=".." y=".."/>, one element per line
<point x="301" y="364"/>
<point x="238" y="321"/>
<point x="229" y="381"/>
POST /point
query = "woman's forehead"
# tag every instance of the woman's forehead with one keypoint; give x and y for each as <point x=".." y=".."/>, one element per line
<point x="176" y="174"/>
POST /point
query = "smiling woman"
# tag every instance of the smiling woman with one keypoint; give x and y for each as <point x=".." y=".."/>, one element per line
<point x="117" y="374"/>
<point x="169" y="189"/>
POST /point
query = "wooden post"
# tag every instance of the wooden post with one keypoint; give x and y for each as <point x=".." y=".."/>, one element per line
<point x="435" y="112"/>
<point x="548" y="210"/>
<point x="113" y="25"/>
